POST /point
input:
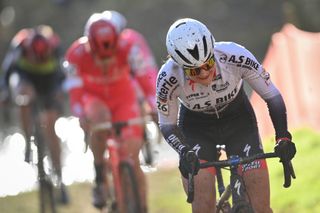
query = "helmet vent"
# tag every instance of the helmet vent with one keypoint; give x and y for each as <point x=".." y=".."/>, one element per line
<point x="212" y="40"/>
<point x="205" y="46"/>
<point x="182" y="56"/>
<point x="180" y="24"/>
<point x="194" y="52"/>
<point x="209" y="56"/>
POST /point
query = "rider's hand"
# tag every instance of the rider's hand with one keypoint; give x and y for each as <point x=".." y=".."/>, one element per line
<point x="188" y="166"/>
<point x="285" y="149"/>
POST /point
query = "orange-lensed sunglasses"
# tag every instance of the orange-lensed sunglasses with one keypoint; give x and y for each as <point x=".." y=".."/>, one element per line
<point x="196" y="71"/>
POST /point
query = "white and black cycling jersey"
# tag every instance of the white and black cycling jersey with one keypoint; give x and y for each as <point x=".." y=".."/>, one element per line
<point x="234" y="64"/>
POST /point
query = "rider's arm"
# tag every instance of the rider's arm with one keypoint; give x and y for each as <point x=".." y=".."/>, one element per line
<point x="259" y="80"/>
<point x="278" y="114"/>
<point x="168" y="113"/>
<point x="143" y="65"/>
<point x="13" y="54"/>
<point x="73" y="84"/>
<point x="174" y="137"/>
<point x="147" y="83"/>
<point x="168" y="107"/>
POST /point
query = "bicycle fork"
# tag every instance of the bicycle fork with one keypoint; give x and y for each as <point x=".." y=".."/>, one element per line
<point x="237" y="185"/>
<point x="114" y="160"/>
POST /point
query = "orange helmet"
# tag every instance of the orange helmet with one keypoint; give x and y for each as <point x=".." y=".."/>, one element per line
<point x="102" y="38"/>
<point x="38" y="47"/>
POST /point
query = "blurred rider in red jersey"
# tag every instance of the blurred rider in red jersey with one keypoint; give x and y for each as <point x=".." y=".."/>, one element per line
<point x="103" y="67"/>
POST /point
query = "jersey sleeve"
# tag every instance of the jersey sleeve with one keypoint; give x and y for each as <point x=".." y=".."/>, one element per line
<point x="167" y="94"/>
<point x="257" y="77"/>
<point x="21" y="37"/>
<point x="73" y="83"/>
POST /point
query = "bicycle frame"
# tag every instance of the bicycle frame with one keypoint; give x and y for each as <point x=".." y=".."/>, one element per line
<point x="113" y="161"/>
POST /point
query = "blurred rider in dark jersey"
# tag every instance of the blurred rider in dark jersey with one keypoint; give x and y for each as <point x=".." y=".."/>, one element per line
<point x="32" y="75"/>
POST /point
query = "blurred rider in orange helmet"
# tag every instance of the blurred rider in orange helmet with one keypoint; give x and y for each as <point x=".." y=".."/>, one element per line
<point x="104" y="66"/>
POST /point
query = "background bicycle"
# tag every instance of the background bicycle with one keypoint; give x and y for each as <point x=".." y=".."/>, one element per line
<point x="121" y="186"/>
<point x="236" y="190"/>
<point x="37" y="153"/>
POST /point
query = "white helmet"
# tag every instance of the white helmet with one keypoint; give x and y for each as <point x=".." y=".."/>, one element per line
<point x="189" y="42"/>
<point x="115" y="18"/>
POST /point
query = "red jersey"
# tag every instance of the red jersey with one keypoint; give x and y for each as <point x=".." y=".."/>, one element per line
<point x="113" y="79"/>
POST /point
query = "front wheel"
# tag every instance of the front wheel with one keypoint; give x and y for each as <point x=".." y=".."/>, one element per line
<point x="242" y="207"/>
<point x="46" y="195"/>
<point x="131" y="197"/>
<point x="224" y="208"/>
<point x="46" y="188"/>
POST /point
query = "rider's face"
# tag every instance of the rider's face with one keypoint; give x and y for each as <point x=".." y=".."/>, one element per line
<point x="205" y="77"/>
<point x="203" y="74"/>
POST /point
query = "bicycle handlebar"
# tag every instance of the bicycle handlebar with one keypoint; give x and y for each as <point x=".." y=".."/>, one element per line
<point x="235" y="161"/>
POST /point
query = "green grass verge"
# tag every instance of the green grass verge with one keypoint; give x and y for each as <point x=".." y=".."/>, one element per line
<point x="166" y="194"/>
<point x="303" y="196"/>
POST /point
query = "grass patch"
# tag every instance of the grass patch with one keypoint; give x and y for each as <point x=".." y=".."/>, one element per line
<point x="28" y="202"/>
<point x="165" y="195"/>
<point x="303" y="195"/>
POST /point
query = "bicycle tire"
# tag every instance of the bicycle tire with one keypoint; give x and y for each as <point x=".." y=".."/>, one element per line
<point x="111" y="205"/>
<point x="131" y="197"/>
<point x="223" y="204"/>
<point x="242" y="207"/>
<point x="224" y="208"/>
<point x="47" y="202"/>
<point x="46" y="188"/>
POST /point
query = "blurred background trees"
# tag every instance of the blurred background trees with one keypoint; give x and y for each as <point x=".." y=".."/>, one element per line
<point x="250" y="23"/>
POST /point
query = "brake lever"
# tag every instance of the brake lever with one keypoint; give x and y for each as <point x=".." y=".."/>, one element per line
<point x="288" y="173"/>
<point x="191" y="157"/>
<point x="293" y="174"/>
<point x="190" y="197"/>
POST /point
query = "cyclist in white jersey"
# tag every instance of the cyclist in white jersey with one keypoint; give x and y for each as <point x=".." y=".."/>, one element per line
<point x="202" y="103"/>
